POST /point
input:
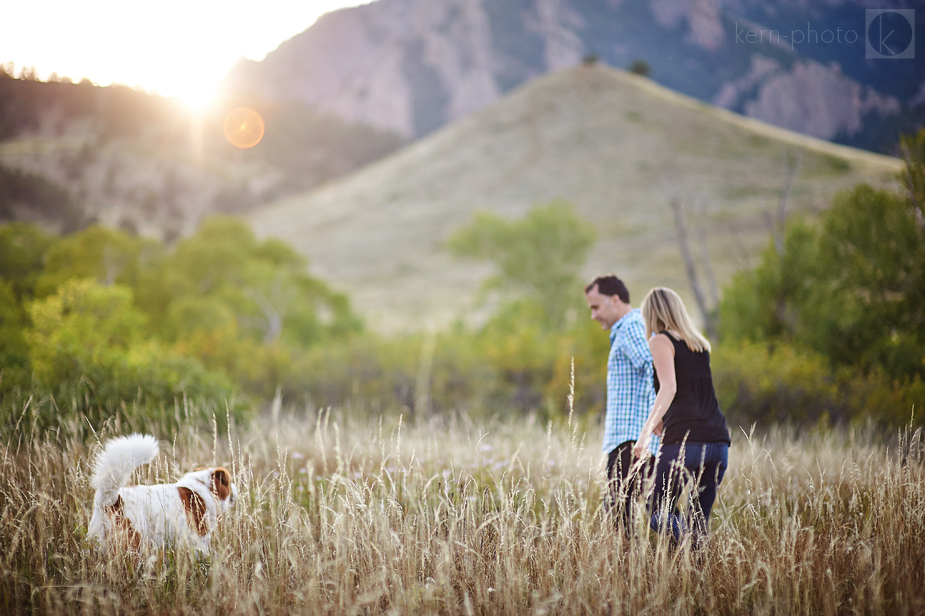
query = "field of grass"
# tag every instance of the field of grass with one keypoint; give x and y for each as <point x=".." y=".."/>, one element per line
<point x="341" y="515"/>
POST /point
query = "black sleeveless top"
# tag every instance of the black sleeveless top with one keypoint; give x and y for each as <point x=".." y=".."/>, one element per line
<point x="694" y="413"/>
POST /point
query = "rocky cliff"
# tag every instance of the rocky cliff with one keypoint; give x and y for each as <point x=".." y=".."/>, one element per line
<point x="412" y="66"/>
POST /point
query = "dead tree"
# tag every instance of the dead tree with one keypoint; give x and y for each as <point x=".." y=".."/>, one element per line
<point x="778" y="227"/>
<point x="778" y="222"/>
<point x="913" y="175"/>
<point x="273" y="310"/>
<point x="690" y="266"/>
<point x="705" y="262"/>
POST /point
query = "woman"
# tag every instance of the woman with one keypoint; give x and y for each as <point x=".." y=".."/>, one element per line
<point x="695" y="438"/>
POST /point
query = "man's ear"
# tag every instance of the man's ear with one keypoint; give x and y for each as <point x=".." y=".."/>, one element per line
<point x="221" y="483"/>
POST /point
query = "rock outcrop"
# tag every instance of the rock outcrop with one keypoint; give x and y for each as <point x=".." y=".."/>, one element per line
<point x="412" y="66"/>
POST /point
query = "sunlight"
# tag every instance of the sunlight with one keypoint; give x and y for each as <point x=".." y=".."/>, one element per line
<point x="198" y="96"/>
<point x="180" y="49"/>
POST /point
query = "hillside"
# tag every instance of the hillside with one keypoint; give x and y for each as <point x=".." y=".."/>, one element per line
<point x="80" y="153"/>
<point x="614" y="144"/>
<point x="412" y="66"/>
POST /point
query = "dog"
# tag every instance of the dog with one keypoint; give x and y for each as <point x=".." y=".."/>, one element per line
<point x="133" y="517"/>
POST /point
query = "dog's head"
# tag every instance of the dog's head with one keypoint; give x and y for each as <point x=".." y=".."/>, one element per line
<point x="226" y="493"/>
<point x="218" y="482"/>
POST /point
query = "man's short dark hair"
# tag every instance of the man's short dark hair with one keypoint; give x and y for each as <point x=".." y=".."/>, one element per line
<point x="609" y="284"/>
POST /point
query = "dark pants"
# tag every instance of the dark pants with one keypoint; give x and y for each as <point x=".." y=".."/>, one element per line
<point x="624" y="482"/>
<point x="702" y="463"/>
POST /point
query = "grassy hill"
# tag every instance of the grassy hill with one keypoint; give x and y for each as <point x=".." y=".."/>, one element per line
<point x="614" y="144"/>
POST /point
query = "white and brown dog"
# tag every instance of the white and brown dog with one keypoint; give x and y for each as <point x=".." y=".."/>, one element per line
<point x="181" y="513"/>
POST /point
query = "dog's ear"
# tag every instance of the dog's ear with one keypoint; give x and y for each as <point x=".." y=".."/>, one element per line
<point x="221" y="483"/>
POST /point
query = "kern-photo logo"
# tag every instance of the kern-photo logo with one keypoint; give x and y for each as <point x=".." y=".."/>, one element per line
<point x="890" y="34"/>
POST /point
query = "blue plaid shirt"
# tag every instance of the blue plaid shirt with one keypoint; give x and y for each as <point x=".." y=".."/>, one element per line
<point x="630" y="391"/>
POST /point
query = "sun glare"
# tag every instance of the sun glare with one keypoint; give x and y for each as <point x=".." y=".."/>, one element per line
<point x="198" y="97"/>
<point x="180" y="49"/>
<point x="243" y="127"/>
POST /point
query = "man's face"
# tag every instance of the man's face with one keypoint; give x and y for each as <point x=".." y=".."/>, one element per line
<point x="605" y="309"/>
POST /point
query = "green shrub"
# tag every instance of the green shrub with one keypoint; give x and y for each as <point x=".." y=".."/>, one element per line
<point x="765" y="384"/>
<point x="88" y="346"/>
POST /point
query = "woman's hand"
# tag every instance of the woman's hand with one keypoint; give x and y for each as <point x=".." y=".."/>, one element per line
<point x="641" y="448"/>
<point x="659" y="428"/>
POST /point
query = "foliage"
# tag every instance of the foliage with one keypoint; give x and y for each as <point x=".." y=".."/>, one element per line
<point x="867" y="308"/>
<point x="763" y="384"/>
<point x="119" y="319"/>
<point x="760" y="304"/>
<point x="512" y="364"/>
<point x="223" y="274"/>
<point x="849" y="288"/>
<point x="107" y="255"/>
<point x="22" y="250"/>
<point x="14" y="351"/>
<point x="539" y="256"/>
<point x="640" y="67"/>
<point x="89" y="341"/>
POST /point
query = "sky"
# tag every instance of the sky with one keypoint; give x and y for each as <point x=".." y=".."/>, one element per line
<point x="179" y="48"/>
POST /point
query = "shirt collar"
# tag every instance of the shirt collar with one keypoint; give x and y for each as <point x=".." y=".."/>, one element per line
<point x="620" y="322"/>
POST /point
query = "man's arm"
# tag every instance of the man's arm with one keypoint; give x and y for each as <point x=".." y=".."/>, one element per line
<point x="635" y="346"/>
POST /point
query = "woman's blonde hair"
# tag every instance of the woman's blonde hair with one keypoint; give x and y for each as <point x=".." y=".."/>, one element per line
<point x="663" y="309"/>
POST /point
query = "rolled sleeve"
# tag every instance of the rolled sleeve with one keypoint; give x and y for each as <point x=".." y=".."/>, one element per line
<point x="630" y="390"/>
<point x="636" y="347"/>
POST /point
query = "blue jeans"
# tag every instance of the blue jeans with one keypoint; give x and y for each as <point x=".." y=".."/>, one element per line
<point x="704" y="464"/>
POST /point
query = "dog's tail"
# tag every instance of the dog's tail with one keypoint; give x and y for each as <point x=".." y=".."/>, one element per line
<point x="115" y="464"/>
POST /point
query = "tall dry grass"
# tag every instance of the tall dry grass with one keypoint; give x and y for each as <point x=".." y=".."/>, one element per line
<point x="339" y="515"/>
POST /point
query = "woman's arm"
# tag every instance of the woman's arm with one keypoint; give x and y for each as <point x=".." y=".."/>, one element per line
<point x="663" y="357"/>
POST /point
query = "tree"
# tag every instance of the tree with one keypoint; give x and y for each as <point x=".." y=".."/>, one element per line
<point x="850" y="288"/>
<point x="224" y="271"/>
<point x="539" y="256"/>
<point x="106" y="255"/>
<point x="89" y="335"/>
<point x="866" y="306"/>
<point x="640" y="67"/>
<point x="14" y="352"/>
<point x="80" y="328"/>
<point x="22" y="249"/>
<point x="763" y="304"/>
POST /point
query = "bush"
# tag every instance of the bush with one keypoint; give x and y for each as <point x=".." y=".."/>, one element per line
<point x="88" y="345"/>
<point x="514" y="364"/>
<point x="765" y="384"/>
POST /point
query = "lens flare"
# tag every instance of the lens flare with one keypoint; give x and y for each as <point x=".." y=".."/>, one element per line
<point x="243" y="127"/>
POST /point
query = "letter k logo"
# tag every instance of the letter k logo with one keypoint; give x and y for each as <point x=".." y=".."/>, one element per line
<point x="890" y="34"/>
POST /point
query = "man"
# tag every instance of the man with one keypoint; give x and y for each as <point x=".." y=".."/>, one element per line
<point x="630" y="390"/>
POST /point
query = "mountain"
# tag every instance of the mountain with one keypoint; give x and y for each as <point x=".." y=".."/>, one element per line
<point x="616" y="145"/>
<point x="411" y="66"/>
